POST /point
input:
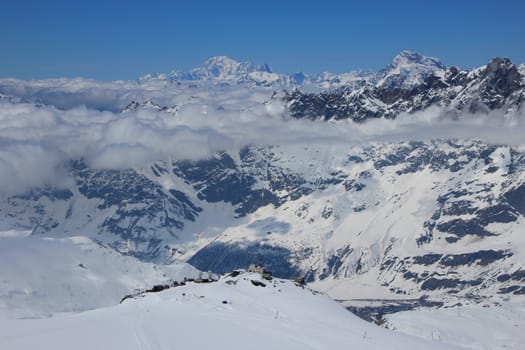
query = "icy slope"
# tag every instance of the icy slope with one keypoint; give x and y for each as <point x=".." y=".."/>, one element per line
<point x="233" y="313"/>
<point x="40" y="277"/>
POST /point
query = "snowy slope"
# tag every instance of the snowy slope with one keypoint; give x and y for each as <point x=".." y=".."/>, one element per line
<point x="41" y="276"/>
<point x="406" y="219"/>
<point x="481" y="326"/>
<point x="232" y="313"/>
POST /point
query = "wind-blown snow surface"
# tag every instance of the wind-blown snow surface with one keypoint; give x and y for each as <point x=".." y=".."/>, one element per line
<point x="478" y="326"/>
<point x="230" y="314"/>
<point x="40" y="277"/>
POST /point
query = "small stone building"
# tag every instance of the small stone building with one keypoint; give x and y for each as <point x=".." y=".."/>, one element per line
<point x="256" y="268"/>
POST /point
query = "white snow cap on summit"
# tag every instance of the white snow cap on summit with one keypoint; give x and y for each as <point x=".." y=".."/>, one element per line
<point x="521" y="69"/>
<point x="225" y="68"/>
<point x="408" y="58"/>
<point x="407" y="70"/>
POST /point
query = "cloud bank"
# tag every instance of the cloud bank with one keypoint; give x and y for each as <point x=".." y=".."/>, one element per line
<point x="36" y="141"/>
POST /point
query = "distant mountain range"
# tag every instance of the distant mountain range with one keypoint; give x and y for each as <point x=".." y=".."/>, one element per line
<point x="500" y="85"/>
<point x="411" y="83"/>
<point x="406" y="70"/>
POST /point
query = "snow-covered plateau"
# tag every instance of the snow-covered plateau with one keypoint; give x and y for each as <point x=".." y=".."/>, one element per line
<point x="400" y="194"/>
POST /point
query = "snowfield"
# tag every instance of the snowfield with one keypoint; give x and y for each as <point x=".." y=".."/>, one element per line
<point x="230" y="314"/>
<point x="40" y="277"/>
<point x="476" y="326"/>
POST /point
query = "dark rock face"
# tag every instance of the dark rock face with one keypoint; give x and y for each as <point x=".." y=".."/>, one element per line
<point x="518" y="275"/>
<point x="342" y="104"/>
<point x="496" y="86"/>
<point x="125" y="209"/>
<point x="53" y="194"/>
<point x="462" y="228"/>
<point x="41" y="221"/>
<point x="352" y="185"/>
<point x="142" y="206"/>
<point x="482" y="258"/>
<point x="441" y="271"/>
<point x="336" y="262"/>
<point x="501" y="78"/>
<point x="516" y="198"/>
<point x="220" y="257"/>
<point x="498" y="213"/>
<point x="447" y="283"/>
<point x="125" y="188"/>
<point x="222" y="179"/>
<point x="428" y="259"/>
<point x="516" y="290"/>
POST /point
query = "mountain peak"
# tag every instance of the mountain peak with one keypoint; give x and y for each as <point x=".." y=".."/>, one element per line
<point x="226" y="68"/>
<point x="500" y="63"/>
<point x="220" y="60"/>
<point x="408" y="69"/>
<point x="502" y="76"/>
<point x="408" y="59"/>
<point x="409" y="55"/>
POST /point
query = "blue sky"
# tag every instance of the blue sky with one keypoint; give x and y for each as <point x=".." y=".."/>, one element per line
<point x="126" y="39"/>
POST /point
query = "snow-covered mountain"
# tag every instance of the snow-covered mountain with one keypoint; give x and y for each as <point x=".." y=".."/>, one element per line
<point x="408" y="88"/>
<point x="134" y="106"/>
<point x="410" y="206"/>
<point x="237" y="312"/>
<point x="223" y="70"/>
<point x="408" y="219"/>
<point x="408" y="69"/>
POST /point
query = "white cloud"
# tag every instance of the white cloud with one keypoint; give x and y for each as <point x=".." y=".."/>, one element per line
<point x="23" y="165"/>
<point x="35" y="141"/>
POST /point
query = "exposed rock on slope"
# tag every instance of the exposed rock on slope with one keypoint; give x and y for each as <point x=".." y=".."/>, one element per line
<point x="499" y="85"/>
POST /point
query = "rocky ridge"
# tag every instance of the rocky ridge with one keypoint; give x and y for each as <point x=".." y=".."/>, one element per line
<point x="497" y="86"/>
